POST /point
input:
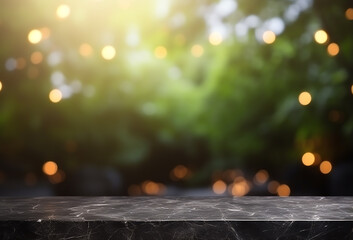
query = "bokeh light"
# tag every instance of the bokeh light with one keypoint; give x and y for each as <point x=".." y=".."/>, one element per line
<point x="272" y="187"/>
<point x="215" y="38"/>
<point x="269" y="37"/>
<point x="35" y="36"/>
<point x="321" y="36"/>
<point x="85" y="49"/>
<point x="36" y="57"/>
<point x="55" y="95"/>
<point x="179" y="172"/>
<point x="349" y="13"/>
<point x="197" y="50"/>
<point x="172" y="82"/>
<point x="54" y="58"/>
<point x="283" y="190"/>
<point x="108" y="52"/>
<point x="325" y="167"/>
<point x="304" y="98"/>
<point x="50" y="168"/>
<point x="10" y="64"/>
<point x="160" y="52"/>
<point x="308" y="159"/>
<point x="333" y="49"/>
<point x="240" y="187"/>
<point x="219" y="187"/>
<point x="152" y="188"/>
<point x="63" y="11"/>
<point x="261" y="177"/>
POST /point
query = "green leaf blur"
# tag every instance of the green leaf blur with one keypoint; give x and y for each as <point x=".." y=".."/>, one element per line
<point x="172" y="93"/>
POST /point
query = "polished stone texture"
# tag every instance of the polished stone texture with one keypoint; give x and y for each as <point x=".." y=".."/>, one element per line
<point x="176" y="218"/>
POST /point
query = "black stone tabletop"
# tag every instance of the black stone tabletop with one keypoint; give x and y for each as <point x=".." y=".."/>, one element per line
<point x="178" y="209"/>
<point x="176" y="218"/>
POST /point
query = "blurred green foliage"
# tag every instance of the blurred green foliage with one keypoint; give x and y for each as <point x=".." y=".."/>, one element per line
<point x="235" y="105"/>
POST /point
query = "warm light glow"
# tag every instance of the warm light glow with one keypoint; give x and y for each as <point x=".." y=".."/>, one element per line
<point x="55" y="95"/>
<point x="283" y="190"/>
<point x="197" y="50"/>
<point x="320" y="36"/>
<point x="272" y="187"/>
<point x="151" y="188"/>
<point x="219" y="187"/>
<point x="215" y="38"/>
<point x="240" y="187"/>
<point x="325" y="167"/>
<point x="36" y="57"/>
<point x="349" y="13"/>
<point x="85" y="49"/>
<point x="179" y="172"/>
<point x="308" y="159"/>
<point x="261" y="177"/>
<point x="108" y="52"/>
<point x="35" y="36"/>
<point x="269" y="37"/>
<point x="0" y="86"/>
<point x="333" y="49"/>
<point x="352" y="89"/>
<point x="63" y="11"/>
<point x="50" y="168"/>
<point x="160" y="52"/>
<point x="304" y="98"/>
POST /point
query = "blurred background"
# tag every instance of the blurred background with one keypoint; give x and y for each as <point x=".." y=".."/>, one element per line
<point x="179" y="98"/>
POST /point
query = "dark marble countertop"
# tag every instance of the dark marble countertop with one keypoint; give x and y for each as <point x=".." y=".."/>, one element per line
<point x="151" y="209"/>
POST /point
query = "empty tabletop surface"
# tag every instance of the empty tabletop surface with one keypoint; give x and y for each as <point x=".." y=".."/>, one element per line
<point x="149" y="209"/>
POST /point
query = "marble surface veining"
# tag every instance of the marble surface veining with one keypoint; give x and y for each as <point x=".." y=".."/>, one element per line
<point x="265" y="218"/>
<point x="159" y="209"/>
